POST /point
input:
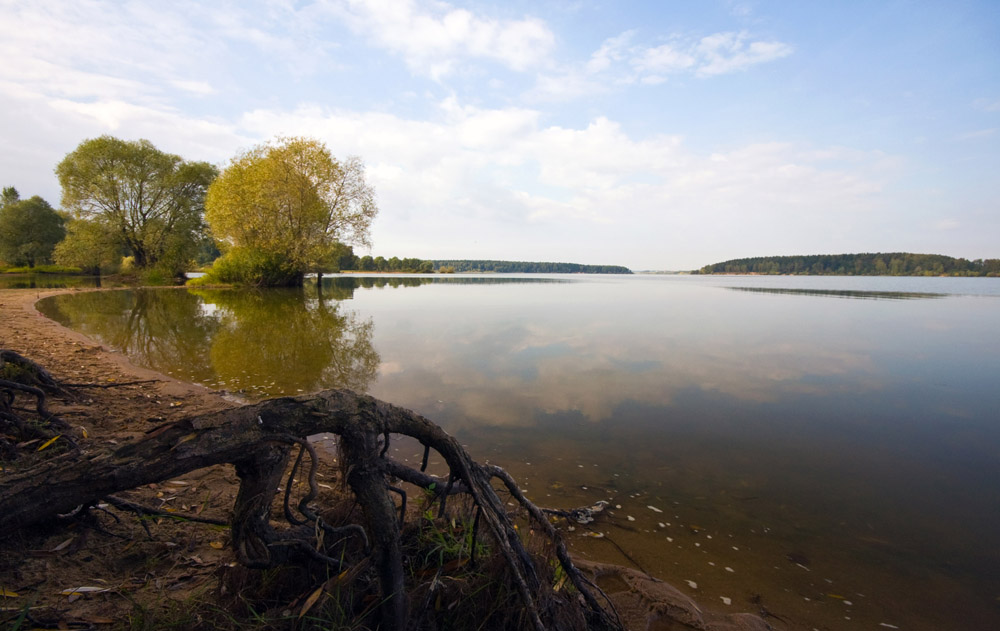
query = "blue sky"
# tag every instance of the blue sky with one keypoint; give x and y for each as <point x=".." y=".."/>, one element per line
<point x="657" y="135"/>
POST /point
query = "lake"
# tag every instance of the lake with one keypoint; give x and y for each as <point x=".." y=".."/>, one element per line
<point x="825" y="447"/>
<point x="52" y="281"/>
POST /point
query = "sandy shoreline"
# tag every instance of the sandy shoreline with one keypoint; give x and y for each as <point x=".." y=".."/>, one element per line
<point x="184" y="558"/>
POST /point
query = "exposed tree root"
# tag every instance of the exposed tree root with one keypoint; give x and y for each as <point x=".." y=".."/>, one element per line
<point x="21" y="376"/>
<point x="258" y="440"/>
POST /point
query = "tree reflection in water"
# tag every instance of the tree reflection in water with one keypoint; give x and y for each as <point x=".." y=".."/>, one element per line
<point x="288" y="342"/>
<point x="257" y="343"/>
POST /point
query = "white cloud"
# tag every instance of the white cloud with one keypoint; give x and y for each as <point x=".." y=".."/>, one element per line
<point x="723" y="53"/>
<point x="612" y="50"/>
<point x="97" y="49"/>
<point x="568" y="85"/>
<point x="434" y="38"/>
<point x="41" y="130"/>
<point x="500" y="182"/>
<point x="660" y="60"/>
<point x="619" y="61"/>
<point x="194" y="87"/>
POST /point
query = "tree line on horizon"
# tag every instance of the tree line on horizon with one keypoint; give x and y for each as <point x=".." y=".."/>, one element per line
<point x="865" y="264"/>
<point x="526" y="267"/>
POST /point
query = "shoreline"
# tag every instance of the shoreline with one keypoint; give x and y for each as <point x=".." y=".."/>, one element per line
<point x="112" y="414"/>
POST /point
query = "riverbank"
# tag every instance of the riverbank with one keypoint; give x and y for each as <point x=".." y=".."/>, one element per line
<point x="140" y="578"/>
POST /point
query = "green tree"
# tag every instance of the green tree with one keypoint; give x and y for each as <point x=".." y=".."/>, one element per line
<point x="10" y="195"/>
<point x="291" y="203"/>
<point x="29" y="229"/>
<point x="345" y="258"/>
<point x="149" y="200"/>
<point x="88" y="245"/>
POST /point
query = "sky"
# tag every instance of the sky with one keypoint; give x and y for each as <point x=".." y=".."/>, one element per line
<point x="658" y="135"/>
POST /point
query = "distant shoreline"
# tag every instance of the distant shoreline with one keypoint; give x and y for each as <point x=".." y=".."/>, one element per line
<point x="864" y="264"/>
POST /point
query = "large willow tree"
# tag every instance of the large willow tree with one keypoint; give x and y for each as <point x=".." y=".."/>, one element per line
<point x="280" y="209"/>
<point x="148" y="201"/>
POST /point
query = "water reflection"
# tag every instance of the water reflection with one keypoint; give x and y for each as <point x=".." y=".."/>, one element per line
<point x="254" y="343"/>
<point x="285" y="342"/>
<point x="844" y="293"/>
<point x="342" y="287"/>
<point x="164" y="328"/>
<point x="860" y="432"/>
<point x="49" y="281"/>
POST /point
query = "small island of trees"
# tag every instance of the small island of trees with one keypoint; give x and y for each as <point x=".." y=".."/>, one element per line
<point x="878" y="264"/>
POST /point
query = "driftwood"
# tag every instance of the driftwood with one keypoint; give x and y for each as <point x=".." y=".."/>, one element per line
<point x="258" y="439"/>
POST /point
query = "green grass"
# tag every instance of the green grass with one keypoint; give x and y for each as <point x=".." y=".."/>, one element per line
<point x="41" y="269"/>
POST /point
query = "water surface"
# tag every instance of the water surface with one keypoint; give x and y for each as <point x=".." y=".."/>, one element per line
<point x="826" y="446"/>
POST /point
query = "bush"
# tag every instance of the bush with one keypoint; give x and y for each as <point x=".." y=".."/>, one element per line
<point x="243" y="266"/>
<point x="155" y="276"/>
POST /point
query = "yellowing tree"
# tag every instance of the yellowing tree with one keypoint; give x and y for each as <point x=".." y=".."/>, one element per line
<point x="280" y="209"/>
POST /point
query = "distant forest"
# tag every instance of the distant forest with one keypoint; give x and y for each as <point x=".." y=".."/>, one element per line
<point x="879" y="264"/>
<point x="345" y="260"/>
<point x="526" y="267"/>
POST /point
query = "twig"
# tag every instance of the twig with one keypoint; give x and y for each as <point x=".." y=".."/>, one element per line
<point x="140" y="509"/>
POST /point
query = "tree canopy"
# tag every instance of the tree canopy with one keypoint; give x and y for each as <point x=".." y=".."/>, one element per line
<point x="149" y="200"/>
<point x="88" y="245"/>
<point x="867" y="264"/>
<point x="290" y="204"/>
<point x="29" y="229"/>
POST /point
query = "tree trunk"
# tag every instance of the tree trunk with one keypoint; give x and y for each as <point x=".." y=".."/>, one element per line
<point x="256" y="439"/>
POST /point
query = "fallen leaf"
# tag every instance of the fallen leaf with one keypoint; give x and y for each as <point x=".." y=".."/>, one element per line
<point x="63" y="544"/>
<point x="311" y="601"/>
<point x="559" y="584"/>
<point x="218" y="545"/>
<point x="6" y="593"/>
<point x="184" y="439"/>
<point x="49" y="442"/>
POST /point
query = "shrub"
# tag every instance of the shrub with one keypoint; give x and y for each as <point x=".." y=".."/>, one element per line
<point x="244" y="266"/>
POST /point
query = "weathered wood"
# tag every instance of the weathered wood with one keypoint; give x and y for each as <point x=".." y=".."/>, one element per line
<point x="256" y="438"/>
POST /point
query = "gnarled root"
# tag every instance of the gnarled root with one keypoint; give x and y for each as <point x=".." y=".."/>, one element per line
<point x="20" y="376"/>
<point x="258" y="440"/>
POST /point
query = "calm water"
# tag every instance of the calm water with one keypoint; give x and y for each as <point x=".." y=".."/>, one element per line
<point x="50" y="281"/>
<point x="829" y="447"/>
